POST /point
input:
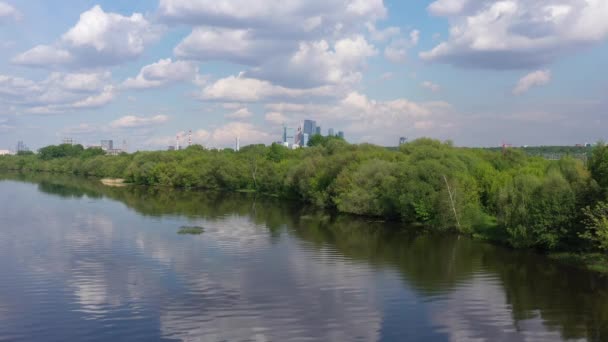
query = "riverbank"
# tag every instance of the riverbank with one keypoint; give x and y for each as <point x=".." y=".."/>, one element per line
<point x="166" y="199"/>
<point x="506" y="197"/>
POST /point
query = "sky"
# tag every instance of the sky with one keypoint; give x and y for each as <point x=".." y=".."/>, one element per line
<point x="477" y="72"/>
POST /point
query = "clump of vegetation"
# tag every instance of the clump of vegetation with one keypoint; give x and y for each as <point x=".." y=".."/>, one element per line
<point x="596" y="225"/>
<point x="190" y="230"/>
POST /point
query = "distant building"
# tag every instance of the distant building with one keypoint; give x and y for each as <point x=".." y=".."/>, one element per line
<point x="107" y="145"/>
<point x="238" y="144"/>
<point x="341" y="134"/>
<point x="402" y="140"/>
<point x="305" y="139"/>
<point x="114" y="152"/>
<point x="299" y="137"/>
<point x="67" y="141"/>
<point x="288" y="134"/>
<point x="330" y="132"/>
<point x="171" y="148"/>
<point x="310" y="127"/>
<point x="21" y="147"/>
<point x="318" y="130"/>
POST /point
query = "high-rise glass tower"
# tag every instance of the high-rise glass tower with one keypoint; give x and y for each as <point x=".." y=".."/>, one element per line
<point x="21" y="147"/>
<point x="310" y="127"/>
<point x="107" y="145"/>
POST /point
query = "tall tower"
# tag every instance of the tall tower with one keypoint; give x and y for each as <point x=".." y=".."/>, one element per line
<point x="309" y="127"/>
<point x="238" y="144"/>
<point x="299" y="137"/>
<point x="177" y="142"/>
<point x="284" y="134"/>
<point x="189" y="138"/>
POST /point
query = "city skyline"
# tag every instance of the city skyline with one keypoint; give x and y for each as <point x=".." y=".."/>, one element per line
<point x="479" y="73"/>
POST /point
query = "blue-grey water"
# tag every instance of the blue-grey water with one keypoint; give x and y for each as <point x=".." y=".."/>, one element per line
<point x="83" y="262"/>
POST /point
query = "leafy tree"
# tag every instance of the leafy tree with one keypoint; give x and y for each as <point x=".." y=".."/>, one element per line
<point x="598" y="164"/>
<point x="320" y="140"/>
<point x="596" y="225"/>
<point x="60" y="151"/>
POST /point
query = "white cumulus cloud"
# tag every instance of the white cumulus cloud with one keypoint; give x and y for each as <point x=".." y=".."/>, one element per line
<point x="59" y="92"/>
<point x="240" y="46"/>
<point x="163" y="72"/>
<point x="99" y="38"/>
<point x="533" y="79"/>
<point x="319" y="63"/>
<point x="243" y="89"/>
<point x="8" y="12"/>
<point x="132" y="121"/>
<point x="516" y="34"/>
<point x="275" y="118"/>
<point x="312" y="42"/>
<point x="243" y="113"/>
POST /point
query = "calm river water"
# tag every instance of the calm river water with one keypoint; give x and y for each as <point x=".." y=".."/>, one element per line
<point x="84" y="262"/>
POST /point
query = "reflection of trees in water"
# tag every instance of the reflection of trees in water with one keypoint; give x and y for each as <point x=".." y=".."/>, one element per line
<point x="573" y="302"/>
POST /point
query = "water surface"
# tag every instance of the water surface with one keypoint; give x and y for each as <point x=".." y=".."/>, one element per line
<point x="83" y="262"/>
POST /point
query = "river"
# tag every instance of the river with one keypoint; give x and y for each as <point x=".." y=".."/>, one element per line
<point x="80" y="261"/>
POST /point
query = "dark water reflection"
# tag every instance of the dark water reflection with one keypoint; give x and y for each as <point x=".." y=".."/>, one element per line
<point x="83" y="262"/>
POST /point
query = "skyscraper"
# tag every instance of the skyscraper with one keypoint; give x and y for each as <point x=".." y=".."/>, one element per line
<point x="318" y="130"/>
<point x="330" y="132"/>
<point x="289" y="135"/>
<point x="21" y="147"/>
<point x="107" y="145"/>
<point x="341" y="134"/>
<point x="299" y="137"/>
<point x="309" y="127"/>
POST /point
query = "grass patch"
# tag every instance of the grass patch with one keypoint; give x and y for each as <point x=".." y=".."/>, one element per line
<point x="190" y="230"/>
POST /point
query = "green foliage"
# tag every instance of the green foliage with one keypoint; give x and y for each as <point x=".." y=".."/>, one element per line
<point x="598" y="164"/>
<point x="320" y="140"/>
<point x="60" y="151"/>
<point x="596" y="225"/>
<point x="190" y="230"/>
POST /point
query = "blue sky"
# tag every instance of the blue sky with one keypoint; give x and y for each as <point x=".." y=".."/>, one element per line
<point x="478" y="72"/>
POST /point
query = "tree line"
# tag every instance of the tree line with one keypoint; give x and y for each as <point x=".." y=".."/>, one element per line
<point x="510" y="197"/>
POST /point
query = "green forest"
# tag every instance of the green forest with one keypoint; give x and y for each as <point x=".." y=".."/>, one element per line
<point x="505" y="196"/>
